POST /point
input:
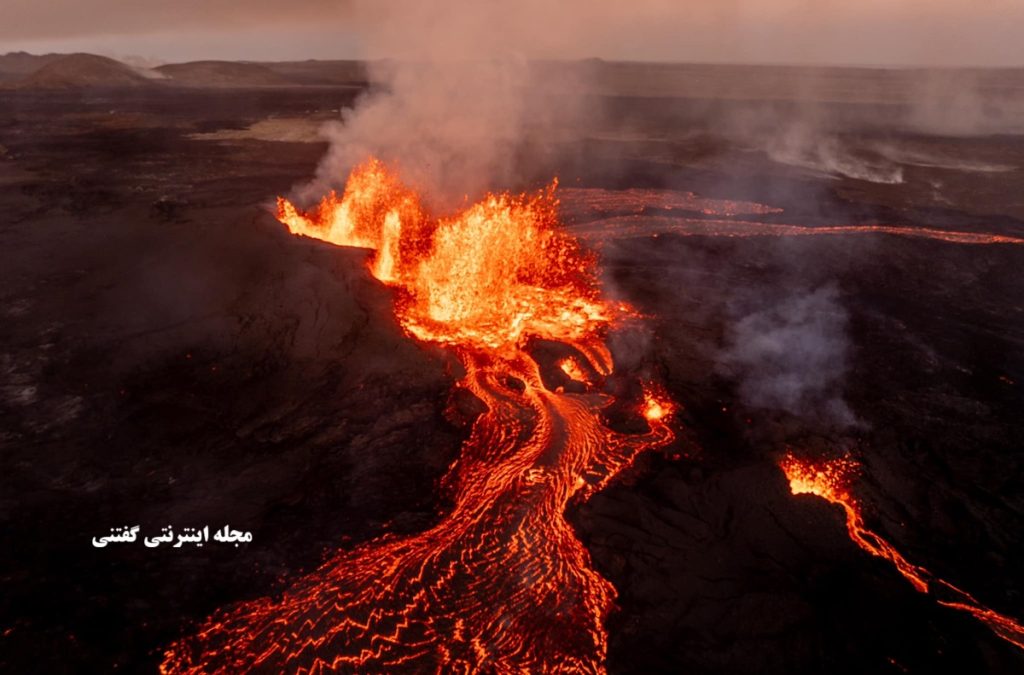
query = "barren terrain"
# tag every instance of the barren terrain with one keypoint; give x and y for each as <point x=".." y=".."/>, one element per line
<point x="170" y="354"/>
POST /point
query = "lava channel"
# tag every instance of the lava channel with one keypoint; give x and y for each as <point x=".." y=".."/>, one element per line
<point x="622" y="227"/>
<point x="831" y="480"/>
<point x="501" y="583"/>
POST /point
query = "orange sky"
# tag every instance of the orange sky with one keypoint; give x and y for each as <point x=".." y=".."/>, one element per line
<point x="874" y="32"/>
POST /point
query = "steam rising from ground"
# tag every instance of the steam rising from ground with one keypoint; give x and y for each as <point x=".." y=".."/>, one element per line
<point x="815" y="119"/>
<point x="463" y="100"/>
<point x="461" y="95"/>
<point x="453" y="128"/>
<point x="967" y="103"/>
<point x="805" y="147"/>
<point x="791" y="355"/>
<point x="460" y="99"/>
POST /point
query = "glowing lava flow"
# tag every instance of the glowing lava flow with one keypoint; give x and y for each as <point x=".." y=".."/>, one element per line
<point x="831" y="480"/>
<point x="591" y="202"/>
<point x="500" y="584"/>
<point x="645" y="226"/>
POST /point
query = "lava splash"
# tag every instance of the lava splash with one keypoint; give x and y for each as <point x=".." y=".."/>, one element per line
<point x="500" y="584"/>
<point x="832" y="480"/>
<point x="486" y="277"/>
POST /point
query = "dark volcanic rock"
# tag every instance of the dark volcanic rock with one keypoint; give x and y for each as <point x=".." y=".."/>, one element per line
<point x="201" y="369"/>
<point x="169" y="356"/>
<point x="249" y="378"/>
<point x="719" y="568"/>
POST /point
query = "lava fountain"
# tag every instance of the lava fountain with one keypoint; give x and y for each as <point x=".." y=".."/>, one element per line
<point x="501" y="583"/>
<point x="832" y="480"/>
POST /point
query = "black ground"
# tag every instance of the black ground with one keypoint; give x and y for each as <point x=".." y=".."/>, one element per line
<point x="168" y="355"/>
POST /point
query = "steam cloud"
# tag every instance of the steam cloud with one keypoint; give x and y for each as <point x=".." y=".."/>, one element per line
<point x="808" y="147"/>
<point x="454" y="129"/>
<point x="793" y="356"/>
<point x="459" y="102"/>
<point x="461" y="94"/>
<point x="819" y="123"/>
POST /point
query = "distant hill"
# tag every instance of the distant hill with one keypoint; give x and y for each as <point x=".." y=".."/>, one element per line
<point x="16" y="65"/>
<point x="62" y="71"/>
<point x="221" y="74"/>
<point x="83" y="70"/>
<point x="339" y="72"/>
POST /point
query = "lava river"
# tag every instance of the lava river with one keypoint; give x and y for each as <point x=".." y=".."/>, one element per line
<point x="500" y="583"/>
<point x="832" y="480"/>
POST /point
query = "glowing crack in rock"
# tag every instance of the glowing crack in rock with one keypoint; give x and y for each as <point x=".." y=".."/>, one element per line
<point x="596" y="201"/>
<point x="620" y="227"/>
<point x="500" y="584"/>
<point x="832" y="480"/>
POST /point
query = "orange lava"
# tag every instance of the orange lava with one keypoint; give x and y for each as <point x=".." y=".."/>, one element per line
<point x="657" y="406"/>
<point x="485" y="277"/>
<point x="572" y="369"/>
<point x="500" y="584"/>
<point x="645" y="226"/>
<point x="594" y="201"/>
<point x="832" y="480"/>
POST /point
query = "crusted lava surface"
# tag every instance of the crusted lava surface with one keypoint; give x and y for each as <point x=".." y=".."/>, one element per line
<point x="170" y="354"/>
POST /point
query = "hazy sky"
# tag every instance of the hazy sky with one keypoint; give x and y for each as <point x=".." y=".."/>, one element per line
<point x="873" y="32"/>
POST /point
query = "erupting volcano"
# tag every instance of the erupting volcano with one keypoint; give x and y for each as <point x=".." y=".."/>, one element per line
<point x="832" y="481"/>
<point x="500" y="583"/>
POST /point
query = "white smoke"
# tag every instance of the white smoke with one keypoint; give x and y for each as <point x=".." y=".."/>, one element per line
<point x="808" y="148"/>
<point x="460" y="98"/>
<point x="792" y="355"/>
<point x="967" y="103"/>
<point x="451" y="128"/>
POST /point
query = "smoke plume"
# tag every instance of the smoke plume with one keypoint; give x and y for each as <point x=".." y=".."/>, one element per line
<point x="792" y="355"/>
<point x="460" y="100"/>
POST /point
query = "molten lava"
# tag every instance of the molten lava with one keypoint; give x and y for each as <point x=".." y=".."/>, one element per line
<point x="832" y="480"/>
<point x="499" y="584"/>
<point x="657" y="405"/>
<point x="618" y="227"/>
<point x="572" y="369"/>
<point x="598" y="202"/>
<point x="484" y="277"/>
